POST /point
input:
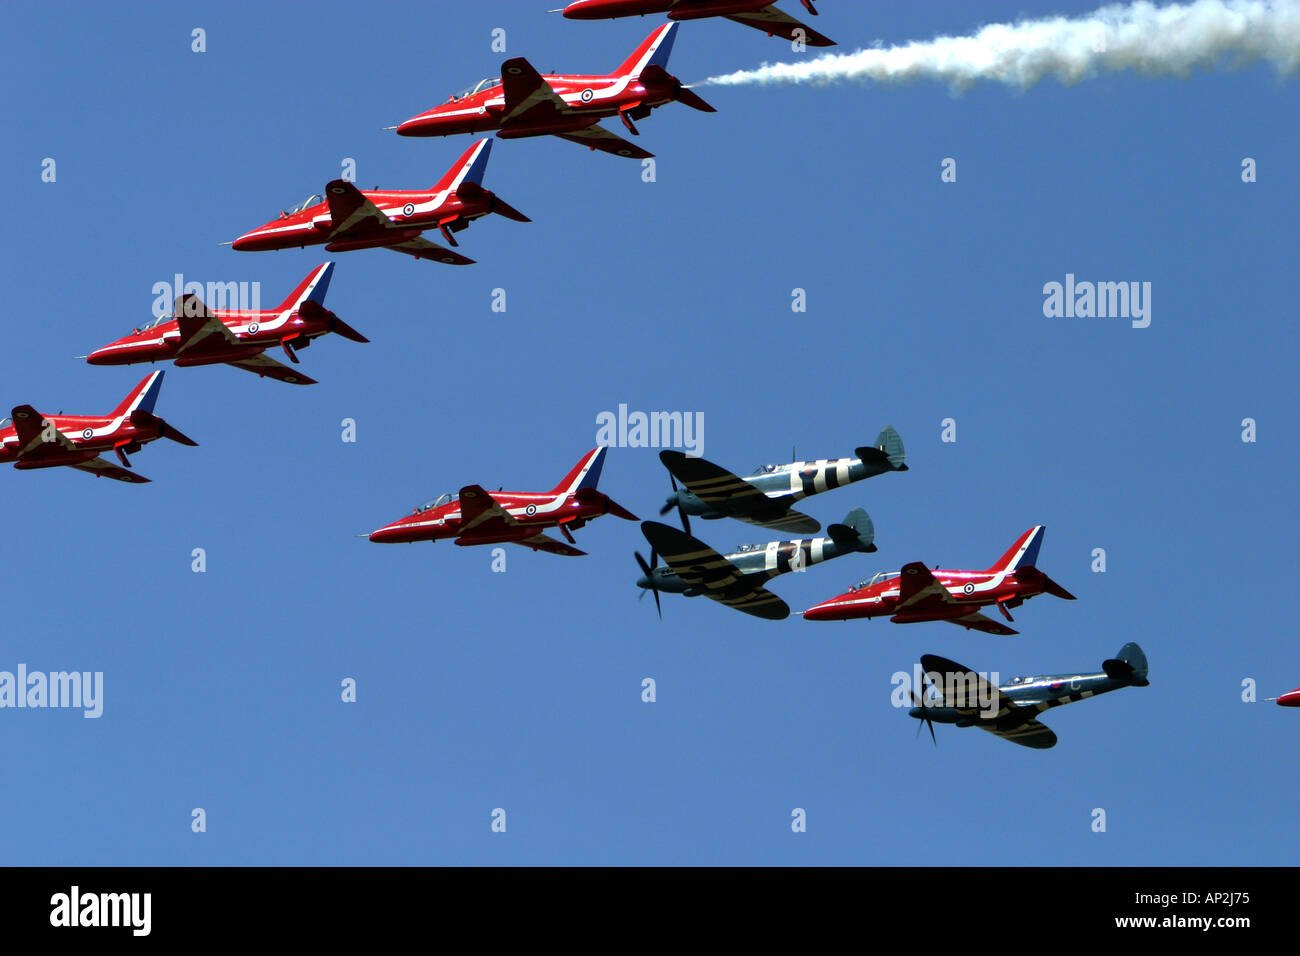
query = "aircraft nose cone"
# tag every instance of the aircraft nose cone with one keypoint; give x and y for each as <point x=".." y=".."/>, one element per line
<point x="820" y="612"/>
<point x="1290" y="700"/>
<point x="243" y="242"/>
<point x="97" y="357"/>
<point x="385" y="535"/>
<point x="916" y="712"/>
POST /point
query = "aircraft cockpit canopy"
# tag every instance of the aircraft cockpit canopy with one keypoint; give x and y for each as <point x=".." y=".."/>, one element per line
<point x="5" y="422"/>
<point x="876" y="579"/>
<point x="310" y="201"/>
<point x="438" y="502"/>
<point x="769" y="469"/>
<point x="484" y="84"/>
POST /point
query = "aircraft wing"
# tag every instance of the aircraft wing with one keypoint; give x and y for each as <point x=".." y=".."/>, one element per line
<point x="198" y="326"/>
<point x="1029" y="734"/>
<point x="351" y="211"/>
<point x="527" y="95"/>
<point x="422" y="248"/>
<point x="597" y="137"/>
<point x="480" y="512"/>
<point x="699" y="566"/>
<point x="714" y="485"/>
<point x="760" y="602"/>
<point x="103" y="469"/>
<point x="543" y="542"/>
<point x="980" y="622"/>
<point x="918" y="588"/>
<point x="30" y="426"/>
<point x="965" y="690"/>
<point x="775" y="23"/>
<point x="267" y="367"/>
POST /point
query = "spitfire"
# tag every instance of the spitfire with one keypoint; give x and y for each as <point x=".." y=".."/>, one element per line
<point x="197" y="335"/>
<point x="347" y="218"/>
<point x="765" y="497"/>
<point x="915" y="594"/>
<point x="32" y="440"/>
<point x="759" y="14"/>
<point x="737" y="579"/>
<point x="475" y="516"/>
<point x="967" y="699"/>
<point x="525" y="103"/>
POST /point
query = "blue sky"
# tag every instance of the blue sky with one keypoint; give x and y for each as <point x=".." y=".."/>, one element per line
<point x="522" y="690"/>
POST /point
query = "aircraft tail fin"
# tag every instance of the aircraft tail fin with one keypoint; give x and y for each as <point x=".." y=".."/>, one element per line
<point x="585" y="474"/>
<point x="312" y="288"/>
<point x="653" y="51"/>
<point x="143" y="397"/>
<point x="1024" y="553"/>
<point x="856" y="533"/>
<point x="469" y="168"/>
<point x="887" y="452"/>
<point x="1129" y="665"/>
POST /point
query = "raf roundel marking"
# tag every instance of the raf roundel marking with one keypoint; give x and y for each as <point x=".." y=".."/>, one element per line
<point x="408" y="209"/>
<point x="531" y="509"/>
<point x="88" y="433"/>
<point x="586" y="96"/>
<point x="969" y="589"/>
<point x="338" y="190"/>
<point x="252" y="328"/>
<point x="514" y="70"/>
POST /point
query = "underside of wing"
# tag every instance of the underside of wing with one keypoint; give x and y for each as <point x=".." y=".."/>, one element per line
<point x="1028" y="734"/>
<point x="792" y="522"/>
<point x="198" y="326"/>
<point x="351" y="213"/>
<point x="694" y="562"/>
<point x="422" y="248"/>
<point x="717" y="487"/>
<point x="33" y="432"/>
<point x="759" y="602"/>
<point x="772" y="21"/>
<point x="542" y="542"/>
<point x="103" y="469"/>
<point x="918" y="588"/>
<point x="979" y="622"/>
<point x="963" y="689"/>
<point x="268" y="367"/>
<point x="527" y="96"/>
<point x="597" y="137"/>
<point x="480" y="514"/>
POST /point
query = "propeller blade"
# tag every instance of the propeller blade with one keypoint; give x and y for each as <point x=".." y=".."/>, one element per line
<point x="686" y="522"/>
<point x="930" y="723"/>
<point x="668" y="506"/>
<point x="645" y="568"/>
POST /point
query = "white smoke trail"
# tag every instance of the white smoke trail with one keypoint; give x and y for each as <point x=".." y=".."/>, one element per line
<point x="1156" y="40"/>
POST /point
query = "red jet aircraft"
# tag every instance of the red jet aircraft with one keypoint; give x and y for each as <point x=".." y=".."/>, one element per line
<point x="759" y="14"/>
<point x="525" y="103"/>
<point x="348" y="218"/>
<point x="1291" y="699"/>
<point x="476" y="517"/>
<point x="37" y="441"/>
<point x="199" y="336"/>
<point x="914" y="594"/>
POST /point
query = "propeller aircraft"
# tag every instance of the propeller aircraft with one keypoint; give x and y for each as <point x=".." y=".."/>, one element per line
<point x="32" y="440"/>
<point x="915" y="594"/>
<point x="1011" y="711"/>
<point x="525" y="103"/>
<point x="475" y="516"/>
<point x="765" y="497"/>
<point x="736" y="580"/>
